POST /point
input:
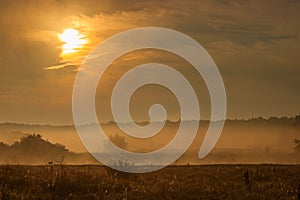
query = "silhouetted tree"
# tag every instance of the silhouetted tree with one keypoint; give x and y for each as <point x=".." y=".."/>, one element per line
<point x="118" y="140"/>
<point x="297" y="120"/>
<point x="32" y="148"/>
<point x="3" y="145"/>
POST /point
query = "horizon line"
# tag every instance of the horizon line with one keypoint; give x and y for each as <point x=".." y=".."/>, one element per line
<point x="141" y="122"/>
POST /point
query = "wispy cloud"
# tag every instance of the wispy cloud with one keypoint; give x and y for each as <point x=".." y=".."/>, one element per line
<point x="254" y="43"/>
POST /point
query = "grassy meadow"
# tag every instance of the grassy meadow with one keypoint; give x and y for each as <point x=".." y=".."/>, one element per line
<point x="173" y="182"/>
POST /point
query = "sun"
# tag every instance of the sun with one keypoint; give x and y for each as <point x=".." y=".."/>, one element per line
<point x="72" y="41"/>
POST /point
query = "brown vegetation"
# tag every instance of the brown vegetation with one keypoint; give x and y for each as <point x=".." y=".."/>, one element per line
<point x="174" y="182"/>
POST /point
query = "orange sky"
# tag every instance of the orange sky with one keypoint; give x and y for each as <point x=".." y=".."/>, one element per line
<point x="255" y="44"/>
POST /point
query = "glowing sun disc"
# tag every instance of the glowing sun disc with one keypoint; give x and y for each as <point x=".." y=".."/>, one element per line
<point x="72" y="40"/>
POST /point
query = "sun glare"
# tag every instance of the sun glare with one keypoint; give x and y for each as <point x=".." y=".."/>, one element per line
<point x="72" y="40"/>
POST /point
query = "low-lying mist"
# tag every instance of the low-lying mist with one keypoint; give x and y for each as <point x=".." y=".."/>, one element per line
<point x="242" y="141"/>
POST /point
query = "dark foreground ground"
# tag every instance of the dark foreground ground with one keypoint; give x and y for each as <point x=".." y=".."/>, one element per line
<point x="174" y="182"/>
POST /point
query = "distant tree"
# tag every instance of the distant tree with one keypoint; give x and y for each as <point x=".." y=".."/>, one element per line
<point x="3" y="145"/>
<point x="36" y="142"/>
<point x="297" y="120"/>
<point x="297" y="148"/>
<point x="119" y="140"/>
<point x="33" y="136"/>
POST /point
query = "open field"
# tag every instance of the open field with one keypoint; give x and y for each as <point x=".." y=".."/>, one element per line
<point x="173" y="182"/>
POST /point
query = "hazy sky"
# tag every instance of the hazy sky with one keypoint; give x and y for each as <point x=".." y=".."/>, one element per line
<point x="254" y="43"/>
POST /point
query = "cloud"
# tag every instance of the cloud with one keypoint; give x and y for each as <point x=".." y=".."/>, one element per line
<point x="64" y="65"/>
<point x="254" y="43"/>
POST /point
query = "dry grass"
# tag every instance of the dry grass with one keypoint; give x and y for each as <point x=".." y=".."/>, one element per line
<point x="174" y="182"/>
